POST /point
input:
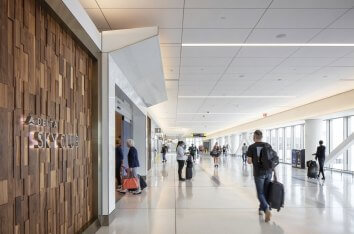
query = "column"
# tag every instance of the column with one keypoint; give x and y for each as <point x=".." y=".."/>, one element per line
<point x="233" y="144"/>
<point x="312" y="137"/>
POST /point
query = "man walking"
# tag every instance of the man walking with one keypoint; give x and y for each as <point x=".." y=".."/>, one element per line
<point x="262" y="177"/>
<point x="244" y="153"/>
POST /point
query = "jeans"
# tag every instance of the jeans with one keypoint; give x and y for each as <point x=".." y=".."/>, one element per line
<point x="262" y="185"/>
<point x="118" y="169"/>
<point x="180" y="168"/>
<point x="244" y="158"/>
<point x="321" y="163"/>
<point x="164" y="157"/>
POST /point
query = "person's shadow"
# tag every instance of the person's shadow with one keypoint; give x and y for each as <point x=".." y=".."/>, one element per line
<point x="270" y="227"/>
<point x="164" y="172"/>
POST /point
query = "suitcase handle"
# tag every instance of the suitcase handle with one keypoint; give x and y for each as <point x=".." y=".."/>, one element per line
<point x="275" y="176"/>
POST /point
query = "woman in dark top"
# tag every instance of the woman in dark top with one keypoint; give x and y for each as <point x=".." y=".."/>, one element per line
<point x="321" y="157"/>
<point x="119" y="163"/>
<point x="133" y="162"/>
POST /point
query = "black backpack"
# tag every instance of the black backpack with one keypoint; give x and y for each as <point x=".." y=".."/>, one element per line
<point x="268" y="158"/>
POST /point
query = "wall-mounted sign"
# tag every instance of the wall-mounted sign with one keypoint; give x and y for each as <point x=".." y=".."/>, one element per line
<point x="199" y="135"/>
<point x="50" y="140"/>
<point x="158" y="130"/>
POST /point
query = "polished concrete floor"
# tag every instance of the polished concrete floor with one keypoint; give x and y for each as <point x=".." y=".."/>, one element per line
<point x="224" y="201"/>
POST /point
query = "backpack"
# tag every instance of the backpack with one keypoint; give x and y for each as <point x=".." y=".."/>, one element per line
<point x="268" y="158"/>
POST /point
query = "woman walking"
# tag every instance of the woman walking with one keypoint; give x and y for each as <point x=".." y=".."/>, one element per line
<point x="133" y="163"/>
<point x="180" y="159"/>
<point x="216" y="154"/>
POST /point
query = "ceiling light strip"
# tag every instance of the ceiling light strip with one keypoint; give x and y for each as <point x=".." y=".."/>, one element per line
<point x="190" y="97"/>
<point x="268" y="44"/>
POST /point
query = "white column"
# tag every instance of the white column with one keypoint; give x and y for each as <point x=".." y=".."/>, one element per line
<point x="212" y="142"/>
<point x="108" y="139"/>
<point x="313" y="135"/>
<point x="233" y="144"/>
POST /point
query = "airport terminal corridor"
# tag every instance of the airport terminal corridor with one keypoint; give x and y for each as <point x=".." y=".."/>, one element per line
<point x="223" y="200"/>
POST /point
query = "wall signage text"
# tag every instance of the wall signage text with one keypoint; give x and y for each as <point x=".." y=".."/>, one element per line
<point x="44" y="140"/>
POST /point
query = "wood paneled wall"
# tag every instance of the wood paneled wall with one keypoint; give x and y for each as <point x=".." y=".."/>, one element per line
<point x="45" y="72"/>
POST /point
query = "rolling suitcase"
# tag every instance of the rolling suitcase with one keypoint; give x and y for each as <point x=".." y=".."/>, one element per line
<point x="276" y="194"/>
<point x="189" y="169"/>
<point x="312" y="169"/>
<point x="142" y="183"/>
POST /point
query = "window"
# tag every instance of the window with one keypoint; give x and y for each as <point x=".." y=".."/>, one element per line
<point x="297" y="137"/>
<point x="288" y="144"/>
<point x="337" y="137"/>
<point x="351" y="150"/>
<point x="274" y="139"/>
<point x="281" y="144"/>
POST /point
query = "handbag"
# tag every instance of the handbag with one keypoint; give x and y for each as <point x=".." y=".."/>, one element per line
<point x="130" y="182"/>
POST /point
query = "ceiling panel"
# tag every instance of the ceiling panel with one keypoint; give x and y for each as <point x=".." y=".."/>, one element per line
<point x="293" y="62"/>
<point x="266" y="52"/>
<point x="97" y="17"/>
<point x="335" y="36"/>
<point x="170" y="36"/>
<point x="202" y="70"/>
<point x="89" y="3"/>
<point x="312" y="4"/>
<point x="295" y="69"/>
<point x="201" y="62"/>
<point x="299" y="18"/>
<point x="227" y="3"/>
<point x="241" y="62"/>
<point x="140" y="3"/>
<point x="282" y="35"/>
<point x="343" y="62"/>
<point x="215" y="35"/>
<point x="250" y="69"/>
<point x="170" y="51"/>
<point x="221" y="18"/>
<point x="346" y="21"/>
<point x="203" y="52"/>
<point x="322" y="52"/>
<point x="135" y="18"/>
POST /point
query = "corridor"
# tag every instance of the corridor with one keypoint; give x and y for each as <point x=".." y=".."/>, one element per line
<point x="224" y="201"/>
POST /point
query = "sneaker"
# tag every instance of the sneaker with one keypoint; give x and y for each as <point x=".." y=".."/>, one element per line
<point x="182" y="179"/>
<point x="136" y="192"/>
<point x="260" y="212"/>
<point x="268" y="215"/>
<point x="122" y="191"/>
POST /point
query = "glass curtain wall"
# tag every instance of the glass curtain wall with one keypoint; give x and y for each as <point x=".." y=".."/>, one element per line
<point x="288" y="144"/>
<point x="351" y="150"/>
<point x="281" y="144"/>
<point x="337" y="137"/>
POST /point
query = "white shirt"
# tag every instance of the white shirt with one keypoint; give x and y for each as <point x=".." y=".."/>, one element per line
<point x="180" y="153"/>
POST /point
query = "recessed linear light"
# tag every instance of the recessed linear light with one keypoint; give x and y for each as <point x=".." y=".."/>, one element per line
<point x="269" y="44"/>
<point x="216" y="113"/>
<point x="236" y="97"/>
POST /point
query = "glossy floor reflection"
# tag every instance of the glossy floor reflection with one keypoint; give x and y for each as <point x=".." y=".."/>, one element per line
<point x="224" y="201"/>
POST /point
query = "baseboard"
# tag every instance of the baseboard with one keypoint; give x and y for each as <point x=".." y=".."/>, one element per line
<point x="106" y="220"/>
<point x="93" y="228"/>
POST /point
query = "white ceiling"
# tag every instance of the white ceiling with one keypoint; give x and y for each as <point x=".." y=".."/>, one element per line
<point x="309" y="73"/>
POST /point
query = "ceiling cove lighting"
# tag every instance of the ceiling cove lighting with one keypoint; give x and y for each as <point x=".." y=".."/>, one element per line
<point x="219" y="113"/>
<point x="267" y="45"/>
<point x="189" y="97"/>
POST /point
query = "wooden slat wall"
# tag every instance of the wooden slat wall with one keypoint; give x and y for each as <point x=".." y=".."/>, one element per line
<point x="46" y="73"/>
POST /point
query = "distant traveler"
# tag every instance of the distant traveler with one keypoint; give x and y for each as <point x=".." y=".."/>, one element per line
<point x="180" y="159"/>
<point x="216" y="151"/>
<point x="119" y="163"/>
<point x="164" y="152"/>
<point x="321" y="157"/>
<point x="192" y="150"/>
<point x="224" y="150"/>
<point x="262" y="177"/>
<point x="244" y="153"/>
<point x="133" y="163"/>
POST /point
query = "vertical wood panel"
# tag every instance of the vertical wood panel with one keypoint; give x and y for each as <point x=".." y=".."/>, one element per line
<point x="46" y="73"/>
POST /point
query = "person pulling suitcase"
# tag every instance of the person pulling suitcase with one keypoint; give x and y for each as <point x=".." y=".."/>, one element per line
<point x="321" y="157"/>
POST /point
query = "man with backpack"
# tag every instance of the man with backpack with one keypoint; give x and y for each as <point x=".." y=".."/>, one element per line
<point x="260" y="154"/>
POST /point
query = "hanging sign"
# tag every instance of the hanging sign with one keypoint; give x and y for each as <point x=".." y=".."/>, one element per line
<point x="44" y="140"/>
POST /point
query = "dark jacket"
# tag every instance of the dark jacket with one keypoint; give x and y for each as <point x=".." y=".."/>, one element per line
<point x="321" y="152"/>
<point x="119" y="154"/>
<point x="133" y="160"/>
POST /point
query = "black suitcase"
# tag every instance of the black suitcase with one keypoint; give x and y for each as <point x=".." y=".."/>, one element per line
<point x="142" y="183"/>
<point x="312" y="169"/>
<point x="189" y="170"/>
<point x="276" y="194"/>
